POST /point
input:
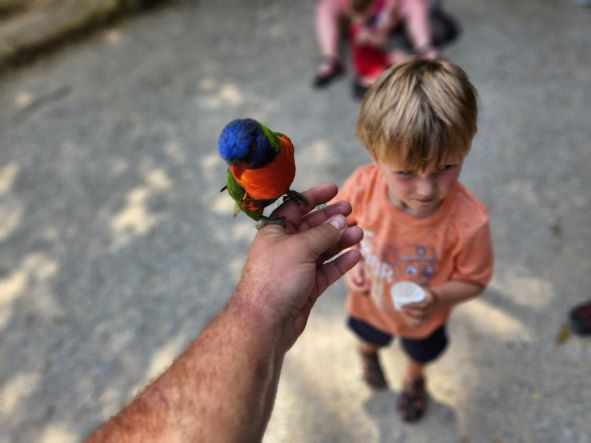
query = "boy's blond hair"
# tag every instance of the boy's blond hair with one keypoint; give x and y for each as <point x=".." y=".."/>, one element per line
<point x="419" y="113"/>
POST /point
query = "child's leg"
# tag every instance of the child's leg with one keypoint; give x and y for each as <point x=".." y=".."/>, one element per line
<point x="371" y="340"/>
<point x="413" y="398"/>
<point x="415" y="14"/>
<point x="373" y="373"/>
<point x="328" y="16"/>
<point x="413" y="371"/>
<point x="367" y="347"/>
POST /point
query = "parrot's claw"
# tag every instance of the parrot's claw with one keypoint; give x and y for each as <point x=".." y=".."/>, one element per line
<point x="273" y="220"/>
<point x="296" y="196"/>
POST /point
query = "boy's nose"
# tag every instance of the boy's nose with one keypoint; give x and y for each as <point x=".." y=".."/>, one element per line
<point x="425" y="188"/>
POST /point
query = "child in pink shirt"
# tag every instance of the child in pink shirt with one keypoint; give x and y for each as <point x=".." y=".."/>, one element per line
<point x="413" y="14"/>
<point x="369" y="57"/>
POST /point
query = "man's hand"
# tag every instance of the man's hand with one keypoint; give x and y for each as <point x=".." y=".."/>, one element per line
<point x="285" y="272"/>
<point x="287" y="268"/>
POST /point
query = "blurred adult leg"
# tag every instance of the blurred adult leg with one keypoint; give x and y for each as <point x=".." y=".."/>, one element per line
<point x="329" y="14"/>
<point x="415" y="14"/>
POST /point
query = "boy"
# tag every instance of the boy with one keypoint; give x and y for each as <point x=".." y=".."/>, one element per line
<point x="417" y="121"/>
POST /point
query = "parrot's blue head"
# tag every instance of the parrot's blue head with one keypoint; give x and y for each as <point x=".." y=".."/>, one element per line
<point x="243" y="140"/>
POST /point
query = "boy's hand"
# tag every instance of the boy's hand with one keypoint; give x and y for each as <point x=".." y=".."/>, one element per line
<point x="356" y="281"/>
<point x="415" y="314"/>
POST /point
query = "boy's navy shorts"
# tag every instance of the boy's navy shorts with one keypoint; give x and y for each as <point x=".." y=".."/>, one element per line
<point x="423" y="350"/>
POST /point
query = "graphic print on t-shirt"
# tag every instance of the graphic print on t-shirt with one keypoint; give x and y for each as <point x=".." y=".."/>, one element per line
<point x="412" y="262"/>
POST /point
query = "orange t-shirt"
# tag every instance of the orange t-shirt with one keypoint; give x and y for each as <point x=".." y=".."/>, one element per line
<point x="453" y="243"/>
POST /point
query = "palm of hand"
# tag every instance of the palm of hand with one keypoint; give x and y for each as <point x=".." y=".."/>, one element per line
<point x="286" y="270"/>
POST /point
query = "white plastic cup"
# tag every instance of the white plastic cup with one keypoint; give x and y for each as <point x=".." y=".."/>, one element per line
<point x="405" y="292"/>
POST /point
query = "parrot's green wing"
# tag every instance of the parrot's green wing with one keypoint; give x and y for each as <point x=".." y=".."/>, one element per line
<point x="250" y="207"/>
<point x="234" y="189"/>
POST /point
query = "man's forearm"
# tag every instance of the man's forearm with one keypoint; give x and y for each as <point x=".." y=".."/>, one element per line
<point x="192" y="402"/>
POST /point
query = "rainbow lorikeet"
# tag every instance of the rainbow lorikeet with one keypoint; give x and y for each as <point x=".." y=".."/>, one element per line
<point x="261" y="168"/>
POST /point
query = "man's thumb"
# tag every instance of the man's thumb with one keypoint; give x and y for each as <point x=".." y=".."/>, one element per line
<point x="321" y="238"/>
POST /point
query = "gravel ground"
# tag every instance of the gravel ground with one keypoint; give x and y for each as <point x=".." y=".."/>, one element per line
<point x="116" y="247"/>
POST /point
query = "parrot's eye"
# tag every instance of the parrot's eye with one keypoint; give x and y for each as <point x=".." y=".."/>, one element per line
<point x="252" y="147"/>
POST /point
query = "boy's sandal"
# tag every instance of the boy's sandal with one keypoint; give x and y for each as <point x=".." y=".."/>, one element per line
<point x="330" y="69"/>
<point x="412" y="402"/>
<point x="580" y="319"/>
<point x="372" y="370"/>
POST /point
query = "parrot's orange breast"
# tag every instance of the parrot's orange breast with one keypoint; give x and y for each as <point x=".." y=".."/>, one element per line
<point x="273" y="180"/>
